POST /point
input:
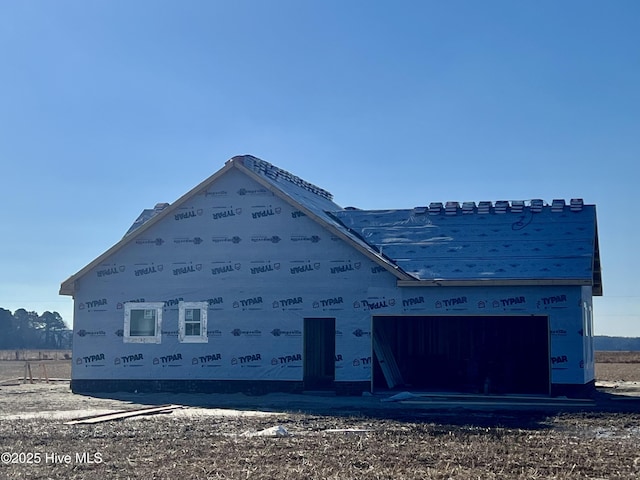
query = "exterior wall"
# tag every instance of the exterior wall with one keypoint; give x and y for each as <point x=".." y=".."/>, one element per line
<point x="261" y="265"/>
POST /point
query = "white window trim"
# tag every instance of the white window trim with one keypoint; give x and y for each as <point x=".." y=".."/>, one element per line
<point x="182" y="337"/>
<point x="157" y="306"/>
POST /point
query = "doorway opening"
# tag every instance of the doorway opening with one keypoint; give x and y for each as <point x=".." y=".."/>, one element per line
<point x="319" y="353"/>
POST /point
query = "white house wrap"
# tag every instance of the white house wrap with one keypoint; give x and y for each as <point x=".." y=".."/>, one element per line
<point x="256" y="281"/>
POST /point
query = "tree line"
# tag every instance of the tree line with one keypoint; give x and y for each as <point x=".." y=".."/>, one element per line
<point x="29" y="330"/>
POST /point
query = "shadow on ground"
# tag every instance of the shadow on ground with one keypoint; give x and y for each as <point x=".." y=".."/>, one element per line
<point x="477" y="411"/>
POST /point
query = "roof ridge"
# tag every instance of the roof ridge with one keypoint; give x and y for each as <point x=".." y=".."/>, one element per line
<point x="269" y="170"/>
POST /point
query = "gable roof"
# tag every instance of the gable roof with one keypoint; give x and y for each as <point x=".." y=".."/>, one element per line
<point x="314" y="201"/>
<point x="503" y="244"/>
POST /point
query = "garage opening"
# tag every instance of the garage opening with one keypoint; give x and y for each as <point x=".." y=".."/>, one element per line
<point x="472" y="354"/>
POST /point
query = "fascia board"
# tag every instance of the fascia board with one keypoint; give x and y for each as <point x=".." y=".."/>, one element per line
<point x="493" y="282"/>
<point x="68" y="286"/>
<point x="395" y="270"/>
<point x="597" y="263"/>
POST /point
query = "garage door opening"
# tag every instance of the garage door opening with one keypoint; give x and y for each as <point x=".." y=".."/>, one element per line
<point x="472" y="354"/>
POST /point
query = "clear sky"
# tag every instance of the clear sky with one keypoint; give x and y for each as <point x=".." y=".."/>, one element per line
<point x="108" y="107"/>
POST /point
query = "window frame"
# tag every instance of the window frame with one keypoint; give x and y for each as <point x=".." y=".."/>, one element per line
<point x="157" y="307"/>
<point x="182" y="322"/>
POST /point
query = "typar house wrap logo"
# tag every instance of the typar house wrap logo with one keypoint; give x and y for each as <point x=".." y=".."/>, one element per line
<point x="413" y="301"/>
<point x="362" y="362"/>
<point x="297" y="267"/>
<point x="187" y="213"/>
<point x="377" y="303"/>
<point x="143" y="269"/>
<point x="173" y="302"/>
<point x="293" y="303"/>
<point x="171" y="360"/>
<point x="96" y="359"/>
<point x="455" y="302"/>
<point x="341" y="266"/>
<point x="510" y="302"/>
<point x="554" y="301"/>
<point x="288" y="360"/>
<point x="334" y="303"/>
<point x="208" y="360"/>
<point x="183" y="269"/>
<point x="97" y="305"/>
<point x="131" y="360"/>
<point x="120" y="305"/>
<point x="252" y="303"/>
<point x="222" y="268"/>
<point x="559" y="362"/>
<point x="249" y="360"/>
<point x="108" y="270"/>
<point x="258" y="267"/>
<point x="225" y="212"/>
<point x="264" y="211"/>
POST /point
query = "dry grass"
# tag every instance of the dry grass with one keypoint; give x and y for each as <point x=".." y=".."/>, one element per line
<point x="566" y="446"/>
<point x="618" y="366"/>
<point x="618" y="357"/>
<point x="33" y="355"/>
<point x="418" y="445"/>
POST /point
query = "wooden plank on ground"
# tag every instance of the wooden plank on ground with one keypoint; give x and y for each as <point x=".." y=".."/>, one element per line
<point x="107" y="417"/>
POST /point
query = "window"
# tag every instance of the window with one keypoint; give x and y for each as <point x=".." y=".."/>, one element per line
<point x="192" y="327"/>
<point x="142" y="322"/>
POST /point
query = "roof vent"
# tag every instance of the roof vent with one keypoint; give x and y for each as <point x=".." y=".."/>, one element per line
<point x="576" y="204"/>
<point x="557" y="205"/>
<point x="484" y="207"/>
<point x="536" y="205"/>
<point x="420" y="210"/>
<point x="160" y="206"/>
<point x="501" y="206"/>
<point x="468" y="207"/>
<point x="435" y="208"/>
<point x="451" y="208"/>
<point x="517" y="206"/>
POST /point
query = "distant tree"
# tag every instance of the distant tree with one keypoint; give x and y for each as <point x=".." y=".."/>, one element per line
<point x="27" y="329"/>
<point x="25" y="325"/>
<point x="7" y="336"/>
<point x="53" y="326"/>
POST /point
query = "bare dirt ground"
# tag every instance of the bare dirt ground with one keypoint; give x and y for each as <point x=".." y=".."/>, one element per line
<point x="311" y="436"/>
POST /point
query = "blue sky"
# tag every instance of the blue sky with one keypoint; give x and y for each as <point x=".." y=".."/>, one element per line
<point x="108" y="107"/>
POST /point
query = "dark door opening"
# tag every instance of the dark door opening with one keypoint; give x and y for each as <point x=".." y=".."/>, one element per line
<point x="319" y="353"/>
<point x="475" y="354"/>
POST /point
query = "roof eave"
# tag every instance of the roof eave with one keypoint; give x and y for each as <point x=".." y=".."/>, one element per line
<point x="68" y="286"/>
<point x="495" y="282"/>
